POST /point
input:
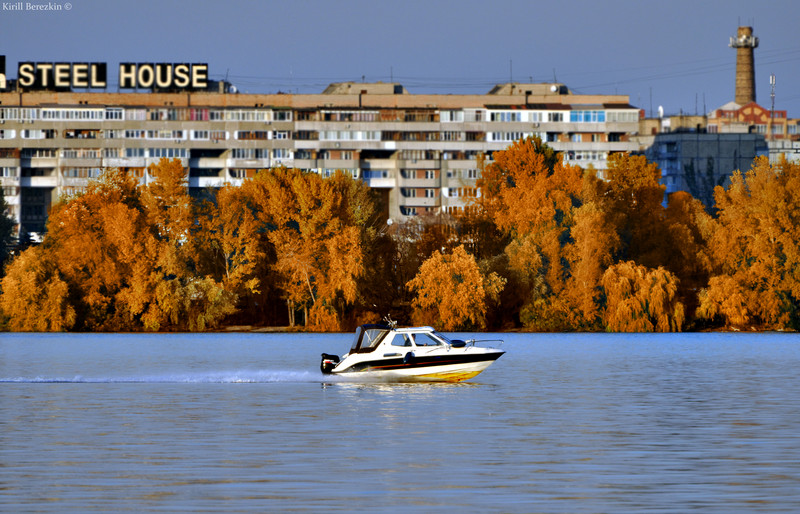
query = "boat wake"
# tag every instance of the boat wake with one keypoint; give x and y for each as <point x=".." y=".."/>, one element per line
<point x="221" y="377"/>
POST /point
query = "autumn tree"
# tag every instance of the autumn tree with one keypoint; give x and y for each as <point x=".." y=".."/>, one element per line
<point x="228" y="242"/>
<point x="178" y="296"/>
<point x="100" y="243"/>
<point x="120" y="257"/>
<point x="318" y="228"/>
<point x="452" y="293"/>
<point x="535" y="199"/>
<point x="639" y="299"/>
<point x="756" y="249"/>
<point x="35" y="296"/>
<point x="634" y="204"/>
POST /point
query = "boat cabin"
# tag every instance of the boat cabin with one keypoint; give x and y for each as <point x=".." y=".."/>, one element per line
<point x="369" y="337"/>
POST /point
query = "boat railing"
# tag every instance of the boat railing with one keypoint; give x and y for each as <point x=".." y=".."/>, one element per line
<point x="473" y="341"/>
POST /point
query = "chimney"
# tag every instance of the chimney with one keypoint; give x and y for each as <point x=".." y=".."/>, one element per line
<point x="744" y="43"/>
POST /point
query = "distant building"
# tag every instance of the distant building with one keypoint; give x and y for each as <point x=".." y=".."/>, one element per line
<point x="418" y="150"/>
<point x="697" y="161"/>
<point x="698" y="153"/>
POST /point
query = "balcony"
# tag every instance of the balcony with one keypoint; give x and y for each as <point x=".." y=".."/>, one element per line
<point x="51" y="181"/>
<point x="420" y="202"/>
<point x="203" y="182"/>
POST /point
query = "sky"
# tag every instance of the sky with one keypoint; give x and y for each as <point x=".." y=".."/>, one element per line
<point x="672" y="53"/>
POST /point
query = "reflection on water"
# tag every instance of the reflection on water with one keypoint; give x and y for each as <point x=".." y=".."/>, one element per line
<point x="242" y="423"/>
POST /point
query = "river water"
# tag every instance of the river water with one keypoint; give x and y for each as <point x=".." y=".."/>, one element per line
<point x="246" y="423"/>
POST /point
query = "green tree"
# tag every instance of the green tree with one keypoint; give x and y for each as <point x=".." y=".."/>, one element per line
<point x="6" y="233"/>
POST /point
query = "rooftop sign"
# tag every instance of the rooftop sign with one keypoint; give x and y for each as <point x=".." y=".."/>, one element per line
<point x="65" y="76"/>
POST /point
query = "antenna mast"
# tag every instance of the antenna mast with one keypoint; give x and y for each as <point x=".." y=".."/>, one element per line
<point x="772" y="109"/>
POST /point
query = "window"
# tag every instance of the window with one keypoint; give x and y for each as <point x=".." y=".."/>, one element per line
<point x="451" y="116"/>
<point x="623" y="116"/>
<point x="555" y="117"/>
<point x="247" y="135"/>
<point x="280" y="134"/>
<point x="587" y="116"/>
<point x="401" y="340"/>
<point x="115" y="113"/>
<point x="198" y="114"/>
<point x="81" y="172"/>
<point x="8" y="172"/>
<point x="430" y="193"/>
<point x="169" y="153"/>
<point x="136" y="114"/>
<point x="249" y="153"/>
<point x="426" y="340"/>
<point x="281" y="153"/>
<point x="165" y="134"/>
<point x="506" y="136"/>
<point x="370" y="174"/>
<point x="430" y="174"/>
<point x="8" y="134"/>
<point x="509" y="116"/>
<point x="81" y="153"/>
<point x="38" y="133"/>
<point x="200" y="135"/>
<point x="9" y="113"/>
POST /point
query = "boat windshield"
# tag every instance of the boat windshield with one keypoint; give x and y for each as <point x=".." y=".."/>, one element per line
<point x="368" y="338"/>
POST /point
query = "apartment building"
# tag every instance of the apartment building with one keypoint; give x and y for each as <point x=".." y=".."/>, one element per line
<point x="420" y="150"/>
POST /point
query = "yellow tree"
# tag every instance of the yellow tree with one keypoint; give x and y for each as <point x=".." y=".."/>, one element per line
<point x="229" y="239"/>
<point x="533" y="197"/>
<point x="34" y="295"/>
<point x="174" y="295"/>
<point x="451" y="292"/>
<point x="318" y="228"/>
<point x="634" y="205"/>
<point x="639" y="299"/>
<point x="756" y="246"/>
<point x="100" y="243"/>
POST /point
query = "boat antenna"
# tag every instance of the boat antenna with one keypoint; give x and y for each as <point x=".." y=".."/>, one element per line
<point x="389" y="321"/>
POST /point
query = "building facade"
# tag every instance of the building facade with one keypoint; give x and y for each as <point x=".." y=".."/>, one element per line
<point x="419" y="149"/>
<point x="697" y="161"/>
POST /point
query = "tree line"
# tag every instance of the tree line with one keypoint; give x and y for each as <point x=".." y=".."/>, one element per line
<point x="546" y="246"/>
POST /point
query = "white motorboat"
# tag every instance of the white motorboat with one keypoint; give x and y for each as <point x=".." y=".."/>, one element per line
<point x="388" y="353"/>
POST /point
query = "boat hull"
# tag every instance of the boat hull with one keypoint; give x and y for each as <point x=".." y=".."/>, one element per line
<point x="435" y="368"/>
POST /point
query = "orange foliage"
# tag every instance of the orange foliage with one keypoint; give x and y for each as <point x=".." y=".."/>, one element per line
<point x="318" y="229"/>
<point x="451" y="292"/>
<point x="639" y="299"/>
<point x="756" y="247"/>
<point x="34" y="296"/>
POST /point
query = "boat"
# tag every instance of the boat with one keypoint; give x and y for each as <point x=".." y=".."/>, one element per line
<point x="384" y="352"/>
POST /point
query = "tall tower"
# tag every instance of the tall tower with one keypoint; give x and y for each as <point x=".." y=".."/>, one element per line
<point x="744" y="43"/>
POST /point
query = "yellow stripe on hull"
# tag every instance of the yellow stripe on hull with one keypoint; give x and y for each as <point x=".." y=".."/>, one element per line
<point x="453" y="376"/>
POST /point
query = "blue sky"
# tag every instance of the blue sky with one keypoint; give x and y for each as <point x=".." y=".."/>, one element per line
<point x="672" y="53"/>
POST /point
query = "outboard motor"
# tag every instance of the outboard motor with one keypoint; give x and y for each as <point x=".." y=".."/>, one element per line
<point x="328" y="363"/>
